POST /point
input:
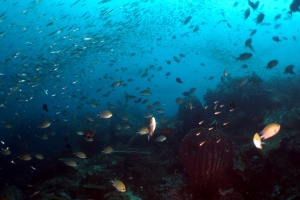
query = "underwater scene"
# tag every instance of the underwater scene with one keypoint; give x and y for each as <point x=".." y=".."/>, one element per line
<point x="150" y="100"/>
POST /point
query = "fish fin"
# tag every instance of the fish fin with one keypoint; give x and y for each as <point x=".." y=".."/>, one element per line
<point x="112" y="181"/>
<point x="250" y="46"/>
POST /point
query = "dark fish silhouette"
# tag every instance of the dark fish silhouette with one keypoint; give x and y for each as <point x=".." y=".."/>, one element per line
<point x="244" y="56"/>
<point x="276" y="39"/>
<point x="289" y="69"/>
<point x="244" y="66"/>
<point x="254" y="6"/>
<point x="260" y="17"/>
<point x="248" y="43"/>
<point x="278" y="16"/>
<point x="253" y="32"/>
<point x="139" y="100"/>
<point x="272" y="64"/>
<point x="45" y="107"/>
<point x="178" y="80"/>
<point x="196" y="28"/>
<point x="232" y="105"/>
<point x="295" y="6"/>
<point x="246" y="13"/>
<point x="69" y="147"/>
<point x="187" y="20"/>
<point x="176" y="59"/>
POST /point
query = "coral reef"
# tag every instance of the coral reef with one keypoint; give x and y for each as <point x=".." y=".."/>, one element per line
<point x="252" y="101"/>
<point x="10" y="192"/>
<point x="115" y="196"/>
<point x="152" y="170"/>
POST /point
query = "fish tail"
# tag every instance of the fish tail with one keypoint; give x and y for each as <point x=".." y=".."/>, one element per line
<point x="150" y="135"/>
<point x="250" y="46"/>
<point x="112" y="181"/>
<point x="260" y="135"/>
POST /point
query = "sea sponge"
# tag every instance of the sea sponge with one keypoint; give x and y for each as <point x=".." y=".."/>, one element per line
<point x="206" y="155"/>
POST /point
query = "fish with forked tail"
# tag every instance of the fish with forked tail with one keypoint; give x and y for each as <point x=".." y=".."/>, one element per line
<point x="254" y="6"/>
<point x="248" y="43"/>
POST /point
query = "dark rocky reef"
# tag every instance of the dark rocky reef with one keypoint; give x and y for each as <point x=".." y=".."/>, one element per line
<point x="189" y="118"/>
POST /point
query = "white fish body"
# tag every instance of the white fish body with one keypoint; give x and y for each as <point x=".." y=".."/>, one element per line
<point x="151" y="127"/>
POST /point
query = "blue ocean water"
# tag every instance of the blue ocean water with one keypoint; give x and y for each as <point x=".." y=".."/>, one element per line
<point x="67" y="55"/>
<point x="39" y="37"/>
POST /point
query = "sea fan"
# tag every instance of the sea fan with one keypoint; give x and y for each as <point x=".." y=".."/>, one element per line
<point x="206" y="155"/>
